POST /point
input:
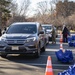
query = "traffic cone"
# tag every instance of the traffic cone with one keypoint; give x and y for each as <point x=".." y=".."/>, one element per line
<point x="61" y="41"/>
<point x="49" y="70"/>
<point x="61" y="38"/>
<point x="61" y="46"/>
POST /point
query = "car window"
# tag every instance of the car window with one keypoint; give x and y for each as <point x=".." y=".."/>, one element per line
<point x="47" y="27"/>
<point x="29" y="29"/>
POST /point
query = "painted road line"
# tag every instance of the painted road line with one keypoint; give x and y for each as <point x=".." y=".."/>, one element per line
<point x="34" y="64"/>
<point x="53" y="55"/>
<point x="58" y="49"/>
<point x="59" y="65"/>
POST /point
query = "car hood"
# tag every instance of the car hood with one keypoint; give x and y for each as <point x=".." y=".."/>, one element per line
<point x="17" y="36"/>
<point x="49" y="30"/>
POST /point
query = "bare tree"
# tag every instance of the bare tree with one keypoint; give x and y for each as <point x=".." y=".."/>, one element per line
<point x="42" y="10"/>
<point x="13" y="7"/>
<point x="65" y="8"/>
<point x="24" y="7"/>
<point x="42" y="7"/>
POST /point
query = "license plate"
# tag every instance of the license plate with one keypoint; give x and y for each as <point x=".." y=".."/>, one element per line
<point x="15" y="48"/>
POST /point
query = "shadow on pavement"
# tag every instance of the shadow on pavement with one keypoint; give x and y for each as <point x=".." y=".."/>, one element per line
<point x="41" y="61"/>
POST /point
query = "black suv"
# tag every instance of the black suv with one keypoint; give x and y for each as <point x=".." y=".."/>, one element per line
<point x="23" y="38"/>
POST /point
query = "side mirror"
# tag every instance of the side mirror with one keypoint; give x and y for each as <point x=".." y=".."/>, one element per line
<point x="3" y="32"/>
<point x="41" y="32"/>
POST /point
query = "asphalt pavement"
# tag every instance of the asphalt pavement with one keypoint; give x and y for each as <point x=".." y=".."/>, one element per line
<point x="29" y="65"/>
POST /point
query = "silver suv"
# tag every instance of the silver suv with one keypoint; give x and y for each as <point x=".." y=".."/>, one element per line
<point x="23" y="38"/>
<point x="49" y="28"/>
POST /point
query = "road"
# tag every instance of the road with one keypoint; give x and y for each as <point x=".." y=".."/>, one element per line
<point x="29" y="65"/>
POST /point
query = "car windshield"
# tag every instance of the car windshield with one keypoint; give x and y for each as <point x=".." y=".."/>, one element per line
<point x="25" y="28"/>
<point x="47" y="27"/>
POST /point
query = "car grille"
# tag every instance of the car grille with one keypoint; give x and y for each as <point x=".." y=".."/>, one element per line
<point x="15" y="42"/>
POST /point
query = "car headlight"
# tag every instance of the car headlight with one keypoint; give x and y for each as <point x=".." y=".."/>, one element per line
<point x="31" y="39"/>
<point x="3" y="39"/>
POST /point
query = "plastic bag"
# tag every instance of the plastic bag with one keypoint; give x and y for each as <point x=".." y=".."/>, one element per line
<point x="73" y="37"/>
<point x="59" y="55"/>
<point x="70" y="41"/>
<point x="70" y="71"/>
<point x="64" y="57"/>
<point x="68" y="55"/>
<point x="74" y="43"/>
<point x="70" y="44"/>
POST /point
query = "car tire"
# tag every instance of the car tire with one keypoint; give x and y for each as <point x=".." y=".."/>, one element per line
<point x="37" y="55"/>
<point x="3" y="55"/>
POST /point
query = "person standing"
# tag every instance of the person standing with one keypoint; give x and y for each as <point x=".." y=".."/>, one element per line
<point x="53" y="36"/>
<point x="65" y="33"/>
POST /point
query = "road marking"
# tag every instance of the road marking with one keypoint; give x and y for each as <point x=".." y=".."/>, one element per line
<point x="46" y="64"/>
<point x="60" y="65"/>
<point x="52" y="50"/>
<point x="36" y="64"/>
<point x="53" y="55"/>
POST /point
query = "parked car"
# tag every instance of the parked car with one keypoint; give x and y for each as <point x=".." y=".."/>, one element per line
<point x="46" y="36"/>
<point x="49" y="29"/>
<point x="23" y="38"/>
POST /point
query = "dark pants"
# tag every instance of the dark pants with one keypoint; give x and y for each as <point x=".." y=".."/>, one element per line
<point x="65" y="39"/>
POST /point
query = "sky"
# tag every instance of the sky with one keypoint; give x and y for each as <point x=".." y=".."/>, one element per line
<point x="33" y="4"/>
<point x="36" y="1"/>
<point x="32" y="1"/>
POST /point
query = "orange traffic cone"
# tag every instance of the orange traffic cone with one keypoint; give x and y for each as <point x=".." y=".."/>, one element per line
<point x="61" y="38"/>
<point x="49" y="70"/>
<point x="61" y="46"/>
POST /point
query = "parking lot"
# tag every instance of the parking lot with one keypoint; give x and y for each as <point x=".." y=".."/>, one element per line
<point x="29" y="65"/>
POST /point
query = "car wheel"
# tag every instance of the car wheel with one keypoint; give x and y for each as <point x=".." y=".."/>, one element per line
<point x="38" y="52"/>
<point x="4" y="55"/>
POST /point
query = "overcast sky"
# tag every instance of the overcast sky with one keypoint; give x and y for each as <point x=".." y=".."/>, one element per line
<point x="33" y="4"/>
<point x="36" y="1"/>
